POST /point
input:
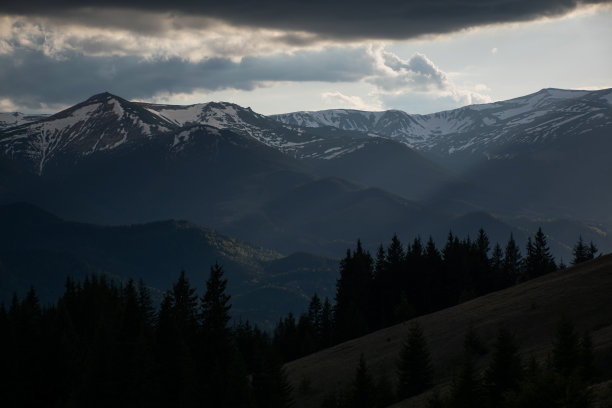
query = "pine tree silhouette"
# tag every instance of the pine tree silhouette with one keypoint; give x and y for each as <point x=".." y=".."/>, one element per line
<point x="415" y="370"/>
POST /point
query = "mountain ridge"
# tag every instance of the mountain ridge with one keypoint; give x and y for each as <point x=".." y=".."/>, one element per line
<point x="465" y="129"/>
<point x="113" y="161"/>
<point x="41" y="249"/>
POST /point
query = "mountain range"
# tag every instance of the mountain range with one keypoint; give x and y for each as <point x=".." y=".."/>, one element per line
<point x="318" y="181"/>
<point x="40" y="249"/>
<point x="482" y="130"/>
<point x="544" y="152"/>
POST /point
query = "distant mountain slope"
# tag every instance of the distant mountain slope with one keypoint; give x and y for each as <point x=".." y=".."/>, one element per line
<point x="107" y="122"/>
<point x="541" y="155"/>
<point x="10" y="119"/>
<point x="328" y="215"/>
<point x="481" y="129"/>
<point x="37" y="248"/>
<point x="110" y="161"/>
<point x="101" y="123"/>
<point x="531" y="310"/>
<point x="200" y="173"/>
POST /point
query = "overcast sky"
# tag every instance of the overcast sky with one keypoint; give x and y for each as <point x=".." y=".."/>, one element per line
<point x="280" y="56"/>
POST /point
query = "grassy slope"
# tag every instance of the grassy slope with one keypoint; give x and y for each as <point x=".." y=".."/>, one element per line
<point x="531" y="310"/>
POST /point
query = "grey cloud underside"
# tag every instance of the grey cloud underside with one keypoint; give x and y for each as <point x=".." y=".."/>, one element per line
<point x="340" y="19"/>
<point x="28" y="77"/>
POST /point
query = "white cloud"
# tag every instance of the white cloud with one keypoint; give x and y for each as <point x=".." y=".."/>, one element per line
<point x="419" y="75"/>
<point x="494" y="50"/>
<point x="6" y="105"/>
<point x="339" y="100"/>
<point x="394" y="74"/>
<point x="482" y="88"/>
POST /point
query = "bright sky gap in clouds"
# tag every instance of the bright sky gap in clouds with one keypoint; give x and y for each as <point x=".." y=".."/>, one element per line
<point x="279" y="56"/>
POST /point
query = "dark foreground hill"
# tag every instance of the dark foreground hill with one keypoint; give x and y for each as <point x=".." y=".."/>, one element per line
<point x="530" y="310"/>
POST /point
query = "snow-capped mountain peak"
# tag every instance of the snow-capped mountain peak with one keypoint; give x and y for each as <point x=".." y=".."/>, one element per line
<point x="11" y="119"/>
<point x="102" y="122"/>
<point x="105" y="122"/>
<point x="480" y="128"/>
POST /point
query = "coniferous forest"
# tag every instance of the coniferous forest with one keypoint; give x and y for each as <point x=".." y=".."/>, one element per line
<point x="507" y="380"/>
<point x="106" y="343"/>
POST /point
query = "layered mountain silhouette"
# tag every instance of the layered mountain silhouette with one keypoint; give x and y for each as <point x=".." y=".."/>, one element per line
<point x="317" y="181"/>
<point x="544" y="152"/>
<point x="40" y="249"/>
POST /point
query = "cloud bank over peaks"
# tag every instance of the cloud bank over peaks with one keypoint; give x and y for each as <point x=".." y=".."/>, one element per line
<point x="337" y="99"/>
<point x="42" y="67"/>
<point x="33" y="75"/>
<point x="397" y="79"/>
<point x="418" y="74"/>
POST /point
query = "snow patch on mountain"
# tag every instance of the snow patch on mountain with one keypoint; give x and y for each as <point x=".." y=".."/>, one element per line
<point x="337" y="152"/>
<point x="10" y="119"/>
<point x="117" y="109"/>
<point x="476" y="128"/>
<point x="76" y="117"/>
<point x="105" y="122"/>
<point x="180" y="115"/>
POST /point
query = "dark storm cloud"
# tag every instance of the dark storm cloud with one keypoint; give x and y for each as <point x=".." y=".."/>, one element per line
<point x="339" y="19"/>
<point x="28" y="77"/>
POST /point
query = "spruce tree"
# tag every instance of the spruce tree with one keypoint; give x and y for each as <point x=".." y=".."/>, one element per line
<point x="434" y="279"/>
<point x="566" y="348"/>
<point x="582" y="252"/>
<point x="184" y="305"/>
<point x="327" y="323"/>
<point x="467" y="388"/>
<point x="353" y="310"/>
<point x="286" y="339"/>
<point x="592" y="250"/>
<point x="473" y="343"/>
<point x="529" y="267"/>
<point x="482" y="243"/>
<point x="145" y="303"/>
<point x="415" y="369"/>
<point x="363" y="389"/>
<point x="381" y="283"/>
<point x="384" y="392"/>
<point x="505" y="371"/>
<point x="512" y="261"/>
<point x="214" y="305"/>
<point x="271" y="388"/>
<point x="314" y="315"/>
<point x="539" y="260"/>
<point x="399" y="281"/>
<point x="497" y="269"/>
<point x="224" y="376"/>
<point x="586" y="358"/>
<point x="176" y="352"/>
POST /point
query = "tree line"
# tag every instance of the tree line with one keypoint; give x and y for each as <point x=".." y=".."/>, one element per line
<point x="105" y="344"/>
<point x="404" y="281"/>
<point x="503" y="379"/>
